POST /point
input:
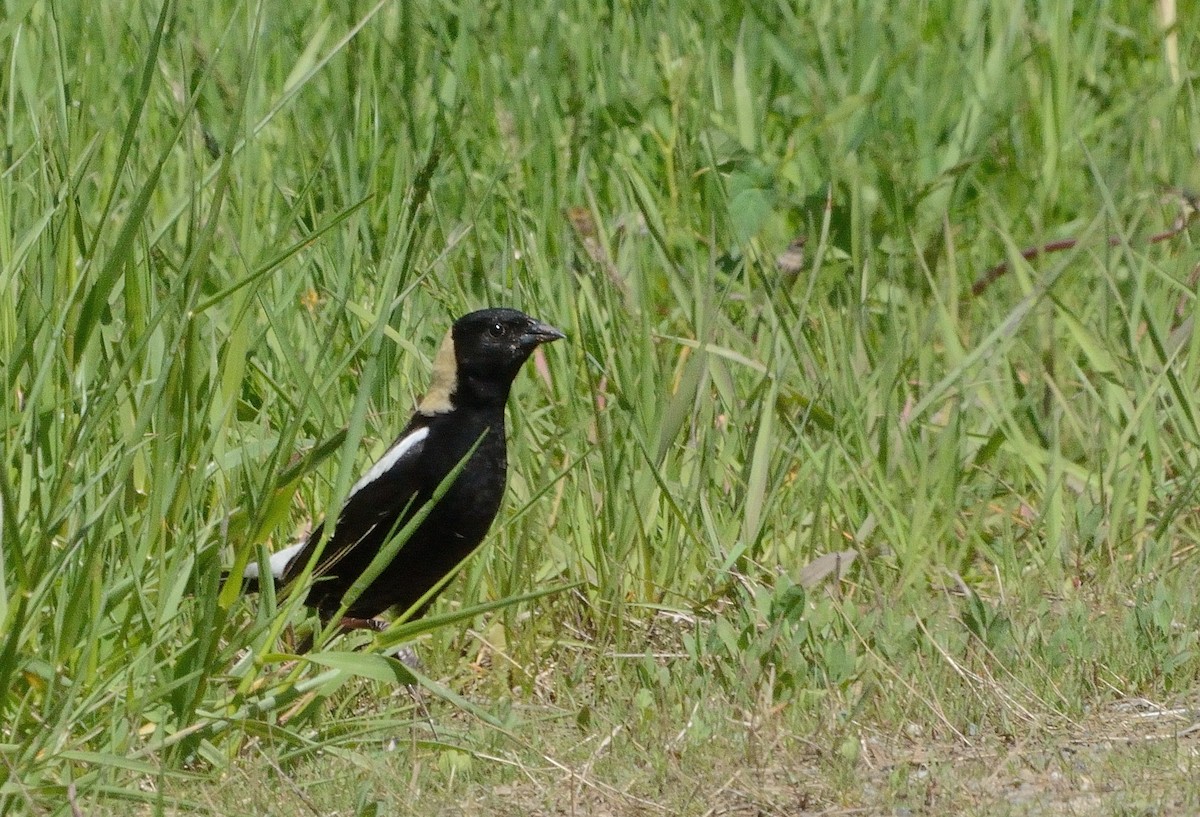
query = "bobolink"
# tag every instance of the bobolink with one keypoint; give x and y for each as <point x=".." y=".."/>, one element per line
<point x="462" y="410"/>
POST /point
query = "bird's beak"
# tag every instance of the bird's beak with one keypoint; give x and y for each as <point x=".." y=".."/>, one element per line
<point x="541" y="333"/>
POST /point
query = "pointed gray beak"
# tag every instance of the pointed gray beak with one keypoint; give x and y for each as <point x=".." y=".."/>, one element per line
<point x="541" y="333"/>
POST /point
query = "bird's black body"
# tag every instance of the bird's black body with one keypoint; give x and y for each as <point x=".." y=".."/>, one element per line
<point x="454" y="527"/>
<point x="464" y="408"/>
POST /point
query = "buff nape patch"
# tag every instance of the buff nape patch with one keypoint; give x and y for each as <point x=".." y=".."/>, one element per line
<point x="444" y="381"/>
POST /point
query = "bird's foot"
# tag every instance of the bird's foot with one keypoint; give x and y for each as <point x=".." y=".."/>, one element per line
<point x="405" y="655"/>
<point x="408" y="657"/>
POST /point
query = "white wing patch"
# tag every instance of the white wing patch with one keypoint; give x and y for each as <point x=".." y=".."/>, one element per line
<point x="277" y="563"/>
<point x="388" y="461"/>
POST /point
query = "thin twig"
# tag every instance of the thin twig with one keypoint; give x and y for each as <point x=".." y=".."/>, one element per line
<point x="1190" y="203"/>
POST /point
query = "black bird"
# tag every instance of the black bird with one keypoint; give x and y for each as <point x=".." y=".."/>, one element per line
<point x="463" y="408"/>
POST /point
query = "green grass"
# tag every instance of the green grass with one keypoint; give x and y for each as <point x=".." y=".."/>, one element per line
<point x="233" y="236"/>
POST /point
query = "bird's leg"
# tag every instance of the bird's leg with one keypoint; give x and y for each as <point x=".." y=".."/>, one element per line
<point x="346" y="624"/>
<point x="349" y="624"/>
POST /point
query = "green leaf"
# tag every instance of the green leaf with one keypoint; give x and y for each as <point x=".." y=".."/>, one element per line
<point x="376" y="667"/>
<point x="743" y="100"/>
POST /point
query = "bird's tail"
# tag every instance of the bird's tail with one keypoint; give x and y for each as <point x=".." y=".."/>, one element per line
<point x="277" y="565"/>
<point x="249" y="583"/>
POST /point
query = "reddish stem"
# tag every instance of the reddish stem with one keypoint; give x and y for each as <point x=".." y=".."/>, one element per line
<point x="1029" y="253"/>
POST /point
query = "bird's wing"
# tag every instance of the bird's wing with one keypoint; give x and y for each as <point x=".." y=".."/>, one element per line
<point x="375" y="501"/>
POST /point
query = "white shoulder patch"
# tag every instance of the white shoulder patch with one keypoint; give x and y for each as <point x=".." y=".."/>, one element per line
<point x="278" y="562"/>
<point x="388" y="461"/>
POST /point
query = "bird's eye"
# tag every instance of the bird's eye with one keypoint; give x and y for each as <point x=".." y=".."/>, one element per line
<point x="498" y="330"/>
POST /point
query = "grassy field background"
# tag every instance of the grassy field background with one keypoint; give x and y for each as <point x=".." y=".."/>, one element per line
<point x="232" y="236"/>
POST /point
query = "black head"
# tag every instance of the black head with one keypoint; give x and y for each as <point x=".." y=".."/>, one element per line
<point x="481" y="355"/>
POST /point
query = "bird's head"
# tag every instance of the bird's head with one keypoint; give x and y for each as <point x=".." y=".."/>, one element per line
<point x="481" y="355"/>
